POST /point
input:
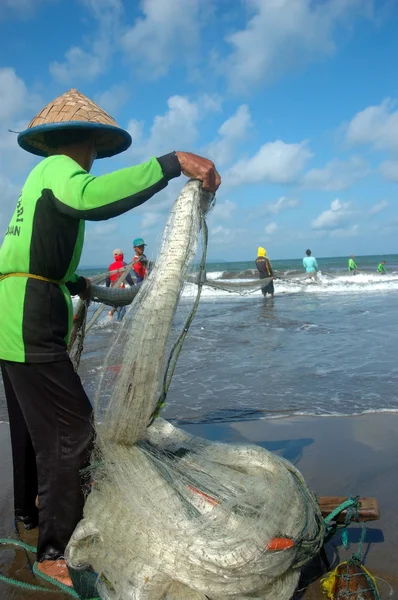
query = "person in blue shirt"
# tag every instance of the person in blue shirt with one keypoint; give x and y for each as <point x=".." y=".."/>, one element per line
<point x="310" y="264"/>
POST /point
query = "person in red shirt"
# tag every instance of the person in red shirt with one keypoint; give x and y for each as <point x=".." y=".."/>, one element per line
<point x="140" y="265"/>
<point x="117" y="265"/>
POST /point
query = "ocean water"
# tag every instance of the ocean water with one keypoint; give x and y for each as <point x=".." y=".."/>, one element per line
<point x="319" y="348"/>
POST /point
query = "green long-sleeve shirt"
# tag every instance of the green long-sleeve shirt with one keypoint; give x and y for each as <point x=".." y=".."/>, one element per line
<point x="45" y="237"/>
<point x="351" y="265"/>
<point x="381" y="268"/>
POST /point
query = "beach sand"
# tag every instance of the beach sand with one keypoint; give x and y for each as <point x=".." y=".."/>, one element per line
<point x="337" y="456"/>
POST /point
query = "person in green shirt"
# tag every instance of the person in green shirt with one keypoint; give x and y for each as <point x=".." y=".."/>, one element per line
<point x="49" y="412"/>
<point x="352" y="267"/>
<point x="381" y="268"/>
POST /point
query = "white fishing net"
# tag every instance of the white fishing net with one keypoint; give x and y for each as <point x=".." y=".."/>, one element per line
<point x="172" y="516"/>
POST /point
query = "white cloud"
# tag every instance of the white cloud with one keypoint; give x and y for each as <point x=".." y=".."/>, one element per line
<point x="22" y="9"/>
<point x="376" y="125"/>
<point x="274" y="208"/>
<point x="101" y="229"/>
<point x="275" y="162"/>
<point x="149" y="220"/>
<point x="221" y="235"/>
<point x="78" y="64"/>
<point x="136" y="130"/>
<point x="224" y="210"/>
<point x="285" y="34"/>
<point x="168" y="30"/>
<point x="351" y="231"/>
<point x="231" y="132"/>
<point x="211" y="102"/>
<point x="87" y="65"/>
<point x="13" y="93"/>
<point x="271" y="228"/>
<point x="113" y="99"/>
<point x="333" y="218"/>
<point x="336" y="175"/>
<point x="175" y="130"/>
<point x="377" y="208"/>
<point x="14" y="96"/>
<point x="389" y="170"/>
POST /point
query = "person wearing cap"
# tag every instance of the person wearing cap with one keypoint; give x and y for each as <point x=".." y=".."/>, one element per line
<point x="50" y="414"/>
<point x="310" y="264"/>
<point x="118" y="266"/>
<point x="352" y="267"/>
<point x="140" y="261"/>
<point x="265" y="270"/>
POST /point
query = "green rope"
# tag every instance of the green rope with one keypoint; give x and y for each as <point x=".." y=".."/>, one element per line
<point x="350" y="502"/>
<point x="30" y="586"/>
<point x="352" y="507"/>
<point x="358" y="555"/>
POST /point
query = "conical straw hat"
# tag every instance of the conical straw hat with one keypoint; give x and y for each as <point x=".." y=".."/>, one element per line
<point x="74" y="111"/>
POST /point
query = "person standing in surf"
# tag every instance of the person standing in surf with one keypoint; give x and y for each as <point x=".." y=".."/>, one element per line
<point x="381" y="268"/>
<point x="310" y="264"/>
<point x="50" y="414"/>
<point x="352" y="267"/>
<point x="265" y="270"/>
<point x="118" y="265"/>
<point x="140" y="261"/>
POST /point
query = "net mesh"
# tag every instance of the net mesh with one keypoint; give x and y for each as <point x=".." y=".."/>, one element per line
<point x="173" y="516"/>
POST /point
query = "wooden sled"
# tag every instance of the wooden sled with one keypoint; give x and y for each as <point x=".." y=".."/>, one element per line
<point x="368" y="508"/>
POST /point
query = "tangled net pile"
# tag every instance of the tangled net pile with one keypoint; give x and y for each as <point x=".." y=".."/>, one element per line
<point x="176" y="517"/>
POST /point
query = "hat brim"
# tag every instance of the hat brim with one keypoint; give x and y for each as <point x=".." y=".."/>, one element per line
<point x="109" y="140"/>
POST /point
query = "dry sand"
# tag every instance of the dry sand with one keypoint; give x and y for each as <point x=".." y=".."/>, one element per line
<point x="337" y="456"/>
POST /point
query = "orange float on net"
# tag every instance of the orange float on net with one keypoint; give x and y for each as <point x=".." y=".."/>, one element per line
<point x="279" y="543"/>
<point x="208" y="498"/>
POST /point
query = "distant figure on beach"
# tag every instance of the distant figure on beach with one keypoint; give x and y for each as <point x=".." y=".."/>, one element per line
<point x="118" y="265"/>
<point x="140" y="261"/>
<point x="381" y="268"/>
<point x="264" y="267"/>
<point x="352" y="267"/>
<point x="310" y="264"/>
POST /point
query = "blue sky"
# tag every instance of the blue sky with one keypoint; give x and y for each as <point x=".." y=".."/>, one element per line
<point x="296" y="101"/>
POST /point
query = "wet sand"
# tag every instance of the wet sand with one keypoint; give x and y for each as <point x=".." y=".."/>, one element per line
<point x="337" y="456"/>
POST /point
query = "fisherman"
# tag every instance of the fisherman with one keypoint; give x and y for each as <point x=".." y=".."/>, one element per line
<point x="310" y="264"/>
<point x="118" y="265"/>
<point x="264" y="267"/>
<point x="352" y="267"/>
<point x="140" y="261"/>
<point x="50" y="414"/>
<point x="381" y="268"/>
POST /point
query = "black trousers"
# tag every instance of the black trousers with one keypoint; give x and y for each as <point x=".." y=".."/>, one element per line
<point x="51" y="437"/>
<point x="268" y="288"/>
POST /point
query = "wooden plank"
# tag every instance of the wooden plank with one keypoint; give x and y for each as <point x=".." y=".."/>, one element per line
<point x="368" y="507"/>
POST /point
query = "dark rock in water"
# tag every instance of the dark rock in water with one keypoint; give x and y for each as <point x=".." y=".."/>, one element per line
<point x="247" y="274"/>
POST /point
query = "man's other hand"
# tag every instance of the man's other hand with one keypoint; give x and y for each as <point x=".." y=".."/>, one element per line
<point x="200" y="168"/>
<point x="85" y="295"/>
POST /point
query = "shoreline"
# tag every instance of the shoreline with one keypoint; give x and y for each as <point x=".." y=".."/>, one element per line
<point x="341" y="456"/>
<point x="183" y="423"/>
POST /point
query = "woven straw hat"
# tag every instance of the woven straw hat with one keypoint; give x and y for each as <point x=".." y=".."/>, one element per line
<point x="74" y="112"/>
